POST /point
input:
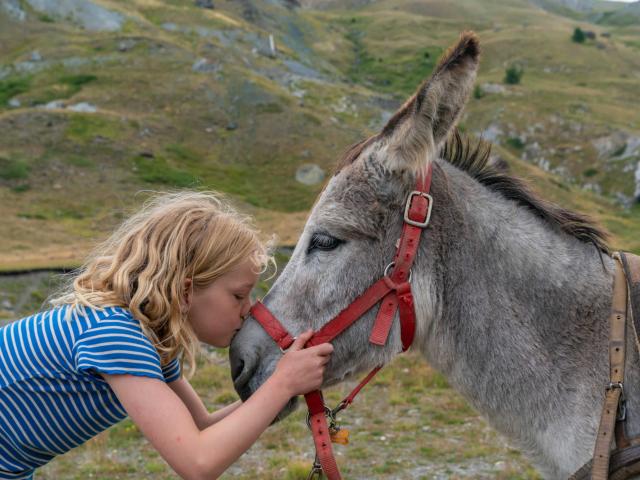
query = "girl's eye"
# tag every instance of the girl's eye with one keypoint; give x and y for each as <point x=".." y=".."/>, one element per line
<point x="323" y="241"/>
<point x="239" y="297"/>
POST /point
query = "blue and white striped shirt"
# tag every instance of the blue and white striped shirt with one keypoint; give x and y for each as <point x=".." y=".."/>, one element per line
<point x="52" y="398"/>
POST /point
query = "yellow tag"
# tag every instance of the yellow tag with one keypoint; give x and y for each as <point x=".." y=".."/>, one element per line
<point x="340" y="436"/>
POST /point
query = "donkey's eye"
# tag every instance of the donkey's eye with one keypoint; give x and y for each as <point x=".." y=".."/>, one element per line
<point x="323" y="241"/>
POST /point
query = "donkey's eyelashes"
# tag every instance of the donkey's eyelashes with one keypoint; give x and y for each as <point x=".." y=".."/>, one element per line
<point x="323" y="241"/>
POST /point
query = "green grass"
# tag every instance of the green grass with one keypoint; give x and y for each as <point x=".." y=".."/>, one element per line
<point x="11" y="87"/>
<point x="49" y="88"/>
<point x="271" y="186"/>
<point x="13" y="169"/>
<point x="396" y="71"/>
<point x="84" y="128"/>
<point x="82" y="161"/>
<point x="43" y="17"/>
<point x="157" y="170"/>
<point x="77" y="81"/>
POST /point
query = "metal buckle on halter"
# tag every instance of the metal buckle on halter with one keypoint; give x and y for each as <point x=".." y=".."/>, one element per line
<point x="407" y="207"/>
<point x="612" y="385"/>
<point x="621" y="414"/>
<point x="390" y="266"/>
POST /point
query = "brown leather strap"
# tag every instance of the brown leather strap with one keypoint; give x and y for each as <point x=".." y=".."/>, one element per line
<point x="614" y="389"/>
<point x="601" y="452"/>
<point x="622" y="441"/>
<point x="624" y="465"/>
<point x="631" y="265"/>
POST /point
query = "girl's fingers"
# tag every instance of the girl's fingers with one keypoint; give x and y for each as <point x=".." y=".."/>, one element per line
<point x="323" y="349"/>
<point x="298" y="343"/>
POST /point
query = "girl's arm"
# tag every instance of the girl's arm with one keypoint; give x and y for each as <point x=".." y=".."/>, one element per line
<point x="167" y="422"/>
<point x="194" y="404"/>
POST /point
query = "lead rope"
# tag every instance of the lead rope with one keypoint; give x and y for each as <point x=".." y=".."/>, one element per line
<point x="317" y="418"/>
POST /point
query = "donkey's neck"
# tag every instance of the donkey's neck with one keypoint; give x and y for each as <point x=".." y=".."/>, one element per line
<point x="522" y="327"/>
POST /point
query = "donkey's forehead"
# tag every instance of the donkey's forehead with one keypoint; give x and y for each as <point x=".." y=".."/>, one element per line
<point x="355" y="200"/>
<point x="335" y="202"/>
<point x="357" y="185"/>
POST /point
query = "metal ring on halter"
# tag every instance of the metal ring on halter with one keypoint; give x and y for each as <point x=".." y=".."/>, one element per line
<point x="390" y="266"/>
<point x="327" y="413"/>
<point x="285" y="350"/>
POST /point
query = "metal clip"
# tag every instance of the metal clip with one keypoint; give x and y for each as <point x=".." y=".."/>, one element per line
<point x="621" y="416"/>
<point x="341" y="406"/>
<point x="316" y="470"/>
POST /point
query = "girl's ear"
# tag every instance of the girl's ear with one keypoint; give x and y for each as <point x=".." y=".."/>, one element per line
<point x="187" y="293"/>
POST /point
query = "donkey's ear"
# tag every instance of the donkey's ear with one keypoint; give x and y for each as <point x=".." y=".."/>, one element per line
<point x="416" y="132"/>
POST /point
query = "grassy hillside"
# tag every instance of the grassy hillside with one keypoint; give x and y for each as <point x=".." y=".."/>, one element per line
<point x="189" y="97"/>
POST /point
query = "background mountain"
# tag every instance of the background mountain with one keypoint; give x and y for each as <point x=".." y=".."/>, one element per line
<point x="100" y="99"/>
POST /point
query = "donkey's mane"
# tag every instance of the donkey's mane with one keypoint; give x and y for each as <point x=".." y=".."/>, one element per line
<point x="474" y="160"/>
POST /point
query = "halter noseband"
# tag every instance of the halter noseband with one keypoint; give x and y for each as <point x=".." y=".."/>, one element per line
<point x="394" y="294"/>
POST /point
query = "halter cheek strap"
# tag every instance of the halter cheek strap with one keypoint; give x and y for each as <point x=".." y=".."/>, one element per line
<point x="392" y="291"/>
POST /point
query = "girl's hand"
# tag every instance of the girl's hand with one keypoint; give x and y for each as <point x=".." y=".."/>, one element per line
<point x="301" y="369"/>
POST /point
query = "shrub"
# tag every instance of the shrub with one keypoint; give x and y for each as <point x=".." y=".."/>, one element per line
<point x="513" y="74"/>
<point x="578" y="35"/>
<point x="13" y="169"/>
<point x="515" y="142"/>
<point x="12" y="87"/>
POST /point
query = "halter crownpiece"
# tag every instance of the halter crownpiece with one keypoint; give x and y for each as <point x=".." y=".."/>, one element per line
<point x="392" y="291"/>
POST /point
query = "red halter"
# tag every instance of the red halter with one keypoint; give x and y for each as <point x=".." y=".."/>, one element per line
<point x="395" y="292"/>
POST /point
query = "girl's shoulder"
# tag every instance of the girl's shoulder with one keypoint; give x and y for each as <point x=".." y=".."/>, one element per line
<point x="114" y="320"/>
<point x="115" y="343"/>
<point x="101" y="315"/>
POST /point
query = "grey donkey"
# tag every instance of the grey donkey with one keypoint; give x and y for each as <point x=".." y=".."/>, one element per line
<point x="512" y="293"/>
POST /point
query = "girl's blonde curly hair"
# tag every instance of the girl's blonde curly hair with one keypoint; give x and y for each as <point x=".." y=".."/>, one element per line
<point x="144" y="264"/>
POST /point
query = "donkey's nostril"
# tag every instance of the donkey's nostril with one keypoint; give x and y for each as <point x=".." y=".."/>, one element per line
<point x="241" y="374"/>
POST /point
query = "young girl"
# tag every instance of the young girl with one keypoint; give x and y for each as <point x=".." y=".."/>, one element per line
<point x="178" y="272"/>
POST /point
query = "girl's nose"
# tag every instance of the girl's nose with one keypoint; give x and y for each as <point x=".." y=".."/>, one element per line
<point x="245" y="308"/>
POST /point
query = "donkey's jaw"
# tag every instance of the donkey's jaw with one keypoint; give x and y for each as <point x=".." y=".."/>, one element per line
<point x="288" y="409"/>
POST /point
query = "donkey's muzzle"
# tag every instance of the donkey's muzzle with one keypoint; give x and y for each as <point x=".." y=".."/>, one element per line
<point x="241" y="373"/>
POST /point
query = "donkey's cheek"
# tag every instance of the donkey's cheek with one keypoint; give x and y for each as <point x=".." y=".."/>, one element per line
<point x="262" y="374"/>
